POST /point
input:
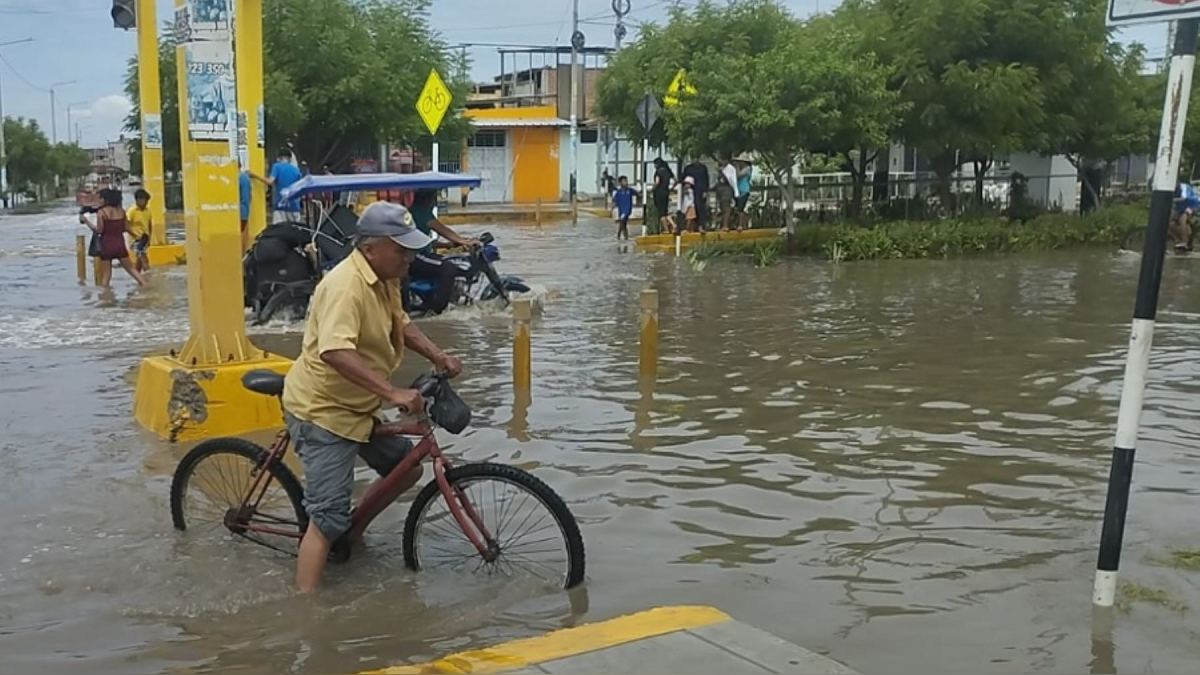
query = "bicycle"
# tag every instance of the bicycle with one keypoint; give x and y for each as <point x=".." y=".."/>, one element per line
<point x="458" y="530"/>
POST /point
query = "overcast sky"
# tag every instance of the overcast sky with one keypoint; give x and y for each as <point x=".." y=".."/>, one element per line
<point x="74" y="41"/>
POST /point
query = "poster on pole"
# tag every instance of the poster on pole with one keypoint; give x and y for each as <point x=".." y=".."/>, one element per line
<point x="211" y="91"/>
<point x="152" y="131"/>
<point x="211" y="16"/>
<point x="1125" y="12"/>
<point x="261" y="129"/>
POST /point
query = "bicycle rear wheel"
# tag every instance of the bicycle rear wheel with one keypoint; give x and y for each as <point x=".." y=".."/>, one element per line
<point x="210" y="488"/>
<point x="532" y="531"/>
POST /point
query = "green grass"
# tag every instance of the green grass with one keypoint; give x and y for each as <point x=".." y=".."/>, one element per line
<point x="1129" y="593"/>
<point x="761" y="252"/>
<point x="844" y="242"/>
<point x="1180" y="560"/>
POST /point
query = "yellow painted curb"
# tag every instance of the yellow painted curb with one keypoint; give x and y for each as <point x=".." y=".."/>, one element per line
<point x="561" y="644"/>
<point x="180" y="402"/>
<point x="666" y="242"/>
<point x="163" y="255"/>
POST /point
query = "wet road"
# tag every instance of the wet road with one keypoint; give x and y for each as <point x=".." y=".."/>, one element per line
<point x="900" y="464"/>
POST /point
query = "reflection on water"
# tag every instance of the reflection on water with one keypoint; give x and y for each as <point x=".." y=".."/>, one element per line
<point x="897" y="463"/>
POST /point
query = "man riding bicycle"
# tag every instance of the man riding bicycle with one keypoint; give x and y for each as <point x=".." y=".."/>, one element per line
<point x="354" y="340"/>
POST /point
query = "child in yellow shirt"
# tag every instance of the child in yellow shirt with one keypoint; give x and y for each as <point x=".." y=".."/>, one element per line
<point x="138" y="225"/>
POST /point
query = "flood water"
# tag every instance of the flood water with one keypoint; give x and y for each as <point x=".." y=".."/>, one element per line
<point x="900" y="464"/>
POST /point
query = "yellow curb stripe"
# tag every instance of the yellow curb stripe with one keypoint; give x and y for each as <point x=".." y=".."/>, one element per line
<point x="567" y="642"/>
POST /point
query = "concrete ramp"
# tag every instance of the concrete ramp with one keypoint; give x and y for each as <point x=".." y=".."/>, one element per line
<point x="688" y="639"/>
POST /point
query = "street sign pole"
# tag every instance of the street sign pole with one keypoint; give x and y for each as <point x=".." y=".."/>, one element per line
<point x="432" y="104"/>
<point x="1166" y="172"/>
<point x="647" y="112"/>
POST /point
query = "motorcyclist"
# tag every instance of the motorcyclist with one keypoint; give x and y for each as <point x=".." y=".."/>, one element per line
<point x="1187" y="203"/>
<point x="428" y="264"/>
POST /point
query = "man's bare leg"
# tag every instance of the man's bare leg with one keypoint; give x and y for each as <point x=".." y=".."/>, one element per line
<point x="310" y="562"/>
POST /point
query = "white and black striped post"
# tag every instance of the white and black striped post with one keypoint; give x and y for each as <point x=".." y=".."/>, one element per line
<point x="1166" y="173"/>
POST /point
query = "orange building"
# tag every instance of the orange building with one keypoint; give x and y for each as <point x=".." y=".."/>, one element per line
<point x="516" y="153"/>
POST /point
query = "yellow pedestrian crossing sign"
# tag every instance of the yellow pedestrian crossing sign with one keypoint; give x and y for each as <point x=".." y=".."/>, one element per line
<point x="678" y="85"/>
<point x="434" y="101"/>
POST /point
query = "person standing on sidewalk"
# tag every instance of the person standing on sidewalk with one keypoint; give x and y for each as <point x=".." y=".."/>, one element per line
<point x="700" y="186"/>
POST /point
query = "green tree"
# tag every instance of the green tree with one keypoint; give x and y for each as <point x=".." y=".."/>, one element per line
<point x="977" y="74"/>
<point x="29" y="155"/>
<point x="338" y="75"/>
<point x="344" y="73"/>
<point x="765" y="82"/>
<point x="782" y="89"/>
<point x="1102" y="107"/>
<point x="68" y="161"/>
<point x="168" y="82"/>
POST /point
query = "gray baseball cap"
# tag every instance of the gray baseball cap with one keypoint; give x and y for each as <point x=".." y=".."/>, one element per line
<point x="385" y="219"/>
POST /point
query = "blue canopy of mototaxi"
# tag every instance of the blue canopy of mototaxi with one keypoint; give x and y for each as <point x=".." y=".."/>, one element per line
<point x="353" y="182"/>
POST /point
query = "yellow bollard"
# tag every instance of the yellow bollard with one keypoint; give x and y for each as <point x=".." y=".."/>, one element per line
<point x="81" y="258"/>
<point x="96" y="271"/>
<point x="648" y="360"/>
<point x="522" y="367"/>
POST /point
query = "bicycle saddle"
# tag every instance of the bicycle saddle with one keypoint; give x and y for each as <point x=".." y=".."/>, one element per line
<point x="263" y="382"/>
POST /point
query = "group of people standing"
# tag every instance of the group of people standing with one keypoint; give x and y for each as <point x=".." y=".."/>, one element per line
<point x="692" y="209"/>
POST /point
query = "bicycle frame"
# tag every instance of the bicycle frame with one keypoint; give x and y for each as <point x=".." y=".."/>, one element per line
<point x="382" y="492"/>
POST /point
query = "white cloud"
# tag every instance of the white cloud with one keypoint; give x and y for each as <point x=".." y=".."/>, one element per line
<point x="108" y="115"/>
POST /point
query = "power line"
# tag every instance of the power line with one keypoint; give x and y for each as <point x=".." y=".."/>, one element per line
<point x="20" y="76"/>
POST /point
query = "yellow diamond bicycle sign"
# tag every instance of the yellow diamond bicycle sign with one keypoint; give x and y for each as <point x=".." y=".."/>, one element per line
<point x="678" y="85"/>
<point x="434" y="101"/>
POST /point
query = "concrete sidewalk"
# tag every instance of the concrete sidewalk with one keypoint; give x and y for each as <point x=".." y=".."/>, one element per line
<point x="689" y="639"/>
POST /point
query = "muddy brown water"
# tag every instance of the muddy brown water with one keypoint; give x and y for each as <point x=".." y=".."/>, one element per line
<point x="900" y="464"/>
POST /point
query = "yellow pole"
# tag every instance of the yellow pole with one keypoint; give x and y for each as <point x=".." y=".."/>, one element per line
<point x="150" y="102"/>
<point x="214" y="240"/>
<point x="522" y="370"/>
<point x="249" y="56"/>
<point x="81" y="258"/>
<point x="648" y="360"/>
<point x="197" y="392"/>
<point x="96" y="271"/>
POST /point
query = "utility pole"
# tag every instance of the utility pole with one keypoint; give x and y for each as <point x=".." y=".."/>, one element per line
<point x="3" y="150"/>
<point x="577" y="42"/>
<point x="69" y="107"/>
<point x="54" y="111"/>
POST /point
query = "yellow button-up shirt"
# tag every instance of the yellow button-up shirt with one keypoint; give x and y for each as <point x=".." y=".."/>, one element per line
<point x="352" y="308"/>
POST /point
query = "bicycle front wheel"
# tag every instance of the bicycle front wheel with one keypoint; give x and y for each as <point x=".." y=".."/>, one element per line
<point x="212" y="493"/>
<point x="530" y="530"/>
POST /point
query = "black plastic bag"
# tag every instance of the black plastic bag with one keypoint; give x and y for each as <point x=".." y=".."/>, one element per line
<point x="446" y="409"/>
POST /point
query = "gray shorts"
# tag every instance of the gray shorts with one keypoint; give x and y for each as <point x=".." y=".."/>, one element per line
<point x="329" y="470"/>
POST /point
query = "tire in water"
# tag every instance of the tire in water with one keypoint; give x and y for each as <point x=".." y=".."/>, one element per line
<point x="419" y="520"/>
<point x="237" y="454"/>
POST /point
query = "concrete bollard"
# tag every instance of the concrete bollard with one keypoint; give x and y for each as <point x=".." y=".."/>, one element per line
<point x="81" y="258"/>
<point x="648" y="358"/>
<point x="522" y="365"/>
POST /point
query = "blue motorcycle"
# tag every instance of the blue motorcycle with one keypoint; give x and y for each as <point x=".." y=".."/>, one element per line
<point x="477" y="281"/>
